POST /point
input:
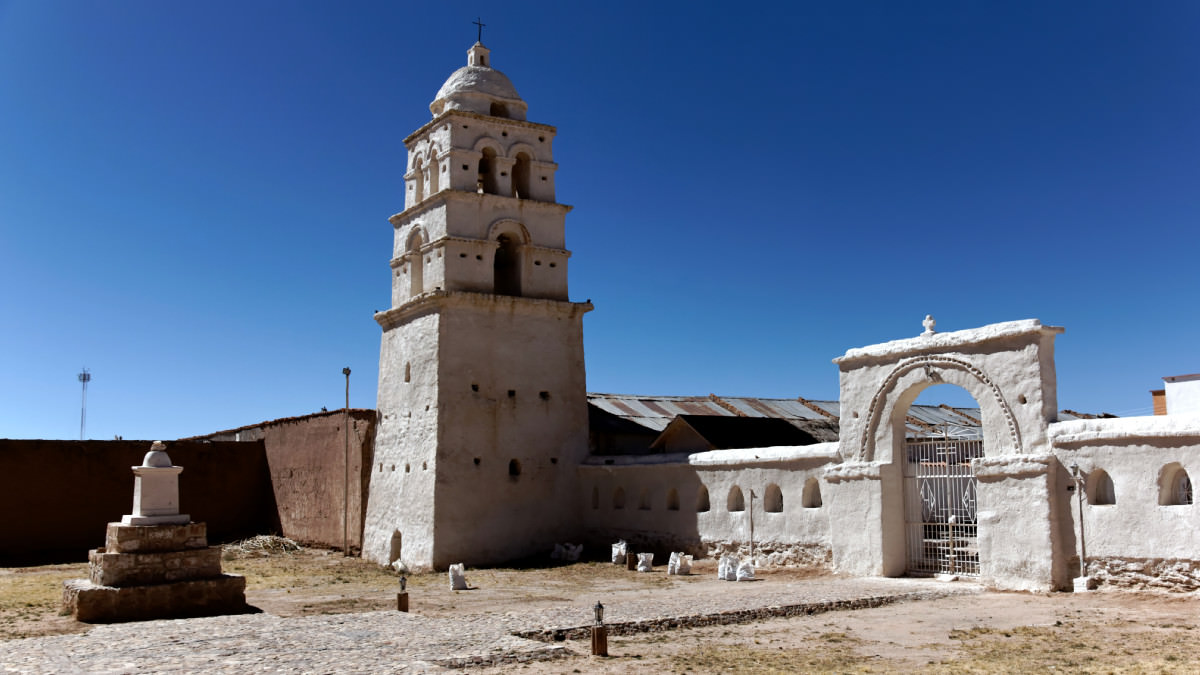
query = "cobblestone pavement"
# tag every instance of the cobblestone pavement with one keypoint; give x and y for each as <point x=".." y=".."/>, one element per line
<point x="395" y="642"/>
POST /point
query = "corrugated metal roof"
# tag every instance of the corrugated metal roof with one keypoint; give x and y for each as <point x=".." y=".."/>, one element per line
<point x="656" y="412"/>
<point x="772" y="407"/>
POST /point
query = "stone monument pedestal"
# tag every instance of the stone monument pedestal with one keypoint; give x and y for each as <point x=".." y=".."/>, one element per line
<point x="155" y="564"/>
<point x="154" y="572"/>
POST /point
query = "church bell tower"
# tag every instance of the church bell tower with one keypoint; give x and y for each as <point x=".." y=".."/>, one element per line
<point x="482" y="403"/>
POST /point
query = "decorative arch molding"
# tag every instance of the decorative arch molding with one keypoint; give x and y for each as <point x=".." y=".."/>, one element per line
<point x="488" y="142"/>
<point x="508" y="226"/>
<point x="417" y="231"/>
<point x="521" y="146"/>
<point x="988" y="387"/>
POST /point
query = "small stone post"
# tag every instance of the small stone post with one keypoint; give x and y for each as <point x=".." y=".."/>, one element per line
<point x="402" y="596"/>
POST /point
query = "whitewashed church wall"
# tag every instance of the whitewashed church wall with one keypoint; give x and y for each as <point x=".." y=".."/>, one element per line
<point x="513" y="413"/>
<point x="402" y="479"/>
<point x="1134" y="536"/>
<point x="632" y="499"/>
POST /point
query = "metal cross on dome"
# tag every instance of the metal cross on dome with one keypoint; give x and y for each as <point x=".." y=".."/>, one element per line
<point x="479" y="22"/>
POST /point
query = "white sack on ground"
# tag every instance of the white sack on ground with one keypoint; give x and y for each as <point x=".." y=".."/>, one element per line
<point x="458" y="582"/>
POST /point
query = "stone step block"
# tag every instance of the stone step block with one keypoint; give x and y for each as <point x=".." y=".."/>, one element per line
<point x="93" y="603"/>
<point x="121" y="538"/>
<point x="140" y="569"/>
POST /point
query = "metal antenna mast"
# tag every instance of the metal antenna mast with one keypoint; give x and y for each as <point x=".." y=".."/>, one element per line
<point x="84" y="377"/>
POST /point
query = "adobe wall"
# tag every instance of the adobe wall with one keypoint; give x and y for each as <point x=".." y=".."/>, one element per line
<point x="628" y="498"/>
<point x="306" y="459"/>
<point x="58" y="496"/>
<point x="1140" y="539"/>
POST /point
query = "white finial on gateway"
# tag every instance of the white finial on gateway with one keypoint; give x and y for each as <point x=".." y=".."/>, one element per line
<point x="156" y="491"/>
<point x="929" y="323"/>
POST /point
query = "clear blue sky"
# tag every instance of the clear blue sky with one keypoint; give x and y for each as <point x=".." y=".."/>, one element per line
<point x="194" y="195"/>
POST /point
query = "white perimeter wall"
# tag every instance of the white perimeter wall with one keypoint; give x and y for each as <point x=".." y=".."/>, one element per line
<point x="794" y="535"/>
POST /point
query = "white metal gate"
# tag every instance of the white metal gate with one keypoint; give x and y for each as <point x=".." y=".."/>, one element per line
<point x="939" y="506"/>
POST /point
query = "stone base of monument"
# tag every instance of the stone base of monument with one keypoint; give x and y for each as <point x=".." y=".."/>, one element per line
<point x="154" y="572"/>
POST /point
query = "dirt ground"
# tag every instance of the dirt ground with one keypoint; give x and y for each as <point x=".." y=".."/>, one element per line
<point x="1102" y="632"/>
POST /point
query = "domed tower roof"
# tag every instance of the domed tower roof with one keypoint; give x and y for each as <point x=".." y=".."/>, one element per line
<point x="479" y="88"/>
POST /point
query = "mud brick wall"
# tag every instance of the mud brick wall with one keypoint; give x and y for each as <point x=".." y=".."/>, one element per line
<point x="307" y="461"/>
<point x="58" y="496"/>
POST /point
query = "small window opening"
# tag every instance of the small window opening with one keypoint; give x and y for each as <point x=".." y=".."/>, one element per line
<point x="644" y="500"/>
<point x="773" y="499"/>
<point x="394" y="546"/>
<point x="498" y="109"/>
<point x="672" y="499"/>
<point x="545" y="395"/>
<point x="514" y="468"/>
<point x="1099" y="488"/>
<point x="476" y="461"/>
<point x="811" y="498"/>
<point x="475" y="387"/>
<point x="1175" y="486"/>
<point x="554" y="460"/>
<point x="407" y="468"/>
<point x="619" y="498"/>
<point x="702" y="505"/>
<point x="735" y="502"/>
<point x="512" y="393"/>
<point x="408" y="371"/>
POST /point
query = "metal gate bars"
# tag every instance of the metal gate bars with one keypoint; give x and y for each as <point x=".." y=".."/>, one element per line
<point x="939" y="506"/>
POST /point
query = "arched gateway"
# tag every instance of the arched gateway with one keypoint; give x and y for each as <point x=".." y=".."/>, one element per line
<point x="939" y="505"/>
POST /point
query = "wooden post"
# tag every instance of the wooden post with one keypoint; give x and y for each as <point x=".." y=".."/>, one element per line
<point x="631" y="561"/>
<point x="599" y="641"/>
<point x="402" y="601"/>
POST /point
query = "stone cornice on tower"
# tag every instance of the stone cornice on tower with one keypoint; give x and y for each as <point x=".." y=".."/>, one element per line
<point x="446" y="195"/>
<point x="439" y="300"/>
<point x="449" y="114"/>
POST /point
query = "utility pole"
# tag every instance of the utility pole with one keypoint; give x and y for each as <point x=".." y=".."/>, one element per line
<point x="752" y="527"/>
<point x="346" y="481"/>
<point x="84" y="377"/>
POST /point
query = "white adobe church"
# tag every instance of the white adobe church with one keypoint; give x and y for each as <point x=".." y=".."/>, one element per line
<point x="482" y="445"/>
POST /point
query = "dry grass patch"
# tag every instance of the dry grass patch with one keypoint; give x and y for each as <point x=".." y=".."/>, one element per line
<point x="831" y="652"/>
<point x="31" y="600"/>
<point x="1078" y="646"/>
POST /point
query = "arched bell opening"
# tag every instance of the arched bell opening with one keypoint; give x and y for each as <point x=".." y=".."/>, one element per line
<point x="520" y="178"/>
<point x="506" y="266"/>
<point x="486" y="181"/>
